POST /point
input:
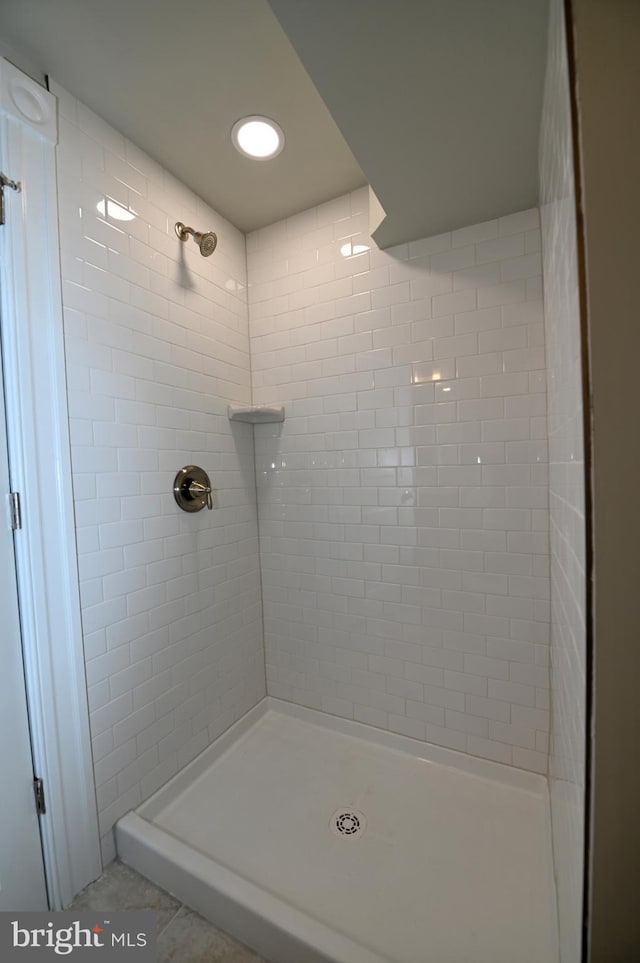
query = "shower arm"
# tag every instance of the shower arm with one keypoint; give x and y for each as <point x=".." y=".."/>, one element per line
<point x="184" y="232"/>
<point x="207" y="241"/>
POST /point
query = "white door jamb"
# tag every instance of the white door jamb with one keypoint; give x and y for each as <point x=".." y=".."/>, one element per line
<point x="39" y="454"/>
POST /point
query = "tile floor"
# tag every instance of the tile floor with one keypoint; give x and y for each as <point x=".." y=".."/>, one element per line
<point x="183" y="936"/>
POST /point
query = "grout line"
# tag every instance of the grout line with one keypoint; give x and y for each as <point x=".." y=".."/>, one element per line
<point x="255" y="476"/>
<point x="177" y="913"/>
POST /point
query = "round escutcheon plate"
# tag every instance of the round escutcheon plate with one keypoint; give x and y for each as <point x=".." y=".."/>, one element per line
<point x="192" y="489"/>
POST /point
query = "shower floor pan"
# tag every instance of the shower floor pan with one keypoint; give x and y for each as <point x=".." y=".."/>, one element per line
<point x="318" y="840"/>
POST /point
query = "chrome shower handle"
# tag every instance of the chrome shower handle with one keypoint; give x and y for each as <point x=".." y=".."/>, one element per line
<point x="197" y="488"/>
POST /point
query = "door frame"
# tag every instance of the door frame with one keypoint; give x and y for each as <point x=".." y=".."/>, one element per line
<point x="40" y="467"/>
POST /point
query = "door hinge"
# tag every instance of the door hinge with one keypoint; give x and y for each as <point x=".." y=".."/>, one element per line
<point x="38" y="792"/>
<point x="16" y="510"/>
<point x="13" y="185"/>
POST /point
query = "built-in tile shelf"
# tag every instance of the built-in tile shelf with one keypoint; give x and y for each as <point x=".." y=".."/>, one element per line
<point x="257" y="415"/>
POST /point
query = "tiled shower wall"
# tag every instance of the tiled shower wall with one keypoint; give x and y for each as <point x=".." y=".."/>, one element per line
<point x="157" y="345"/>
<point x="566" y="489"/>
<point x="403" y="502"/>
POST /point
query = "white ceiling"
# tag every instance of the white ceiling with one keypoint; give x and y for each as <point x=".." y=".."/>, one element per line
<point x="175" y="76"/>
<point x="439" y="100"/>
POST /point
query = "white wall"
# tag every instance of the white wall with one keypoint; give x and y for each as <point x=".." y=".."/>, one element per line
<point x="403" y="502"/>
<point x="566" y="489"/>
<point x="156" y="345"/>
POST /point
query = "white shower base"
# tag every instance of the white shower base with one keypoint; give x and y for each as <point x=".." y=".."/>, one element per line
<point x="453" y="865"/>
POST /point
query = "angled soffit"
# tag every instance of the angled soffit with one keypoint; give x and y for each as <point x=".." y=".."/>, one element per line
<point x="439" y="100"/>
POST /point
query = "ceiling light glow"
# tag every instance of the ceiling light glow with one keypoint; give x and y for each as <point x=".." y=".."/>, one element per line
<point x="348" y="249"/>
<point x="116" y="211"/>
<point x="257" y="137"/>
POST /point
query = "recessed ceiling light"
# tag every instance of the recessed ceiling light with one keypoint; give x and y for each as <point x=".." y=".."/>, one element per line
<point x="257" y="137"/>
<point x="116" y="211"/>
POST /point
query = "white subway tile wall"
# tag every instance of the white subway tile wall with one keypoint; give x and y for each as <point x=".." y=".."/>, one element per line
<point x="403" y="502"/>
<point x="156" y="345"/>
<point x="568" y="568"/>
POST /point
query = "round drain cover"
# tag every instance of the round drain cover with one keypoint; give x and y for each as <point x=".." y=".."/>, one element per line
<point x="348" y="823"/>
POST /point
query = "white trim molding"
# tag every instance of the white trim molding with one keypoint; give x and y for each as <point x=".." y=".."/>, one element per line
<point x="39" y="455"/>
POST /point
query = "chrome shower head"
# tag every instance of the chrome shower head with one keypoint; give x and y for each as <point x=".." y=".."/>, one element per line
<point x="207" y="242"/>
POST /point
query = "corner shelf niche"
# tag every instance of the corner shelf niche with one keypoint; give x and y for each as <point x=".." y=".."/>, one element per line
<point x="257" y="414"/>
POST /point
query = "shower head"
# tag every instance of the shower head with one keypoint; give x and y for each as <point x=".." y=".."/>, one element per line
<point x="207" y="242"/>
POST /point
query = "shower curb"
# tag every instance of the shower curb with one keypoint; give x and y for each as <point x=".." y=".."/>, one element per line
<point x="266" y="923"/>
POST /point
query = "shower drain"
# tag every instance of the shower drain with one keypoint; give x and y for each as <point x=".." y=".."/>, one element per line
<point x="348" y="823"/>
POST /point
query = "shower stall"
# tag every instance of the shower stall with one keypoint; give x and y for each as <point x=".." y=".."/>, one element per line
<point x="337" y="703"/>
<point x="393" y="780"/>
